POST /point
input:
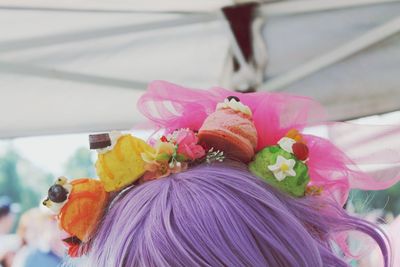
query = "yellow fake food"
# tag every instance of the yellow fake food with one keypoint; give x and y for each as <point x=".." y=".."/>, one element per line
<point x="123" y="164"/>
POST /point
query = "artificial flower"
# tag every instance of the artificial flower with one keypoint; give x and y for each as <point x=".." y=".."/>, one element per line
<point x="187" y="144"/>
<point x="163" y="152"/>
<point x="283" y="168"/>
<point x="157" y="162"/>
<point x="157" y="170"/>
<point x="171" y="154"/>
<point x="314" y="190"/>
<point x="213" y="156"/>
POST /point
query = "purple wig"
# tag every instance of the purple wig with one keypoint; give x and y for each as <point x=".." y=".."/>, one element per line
<point x="221" y="215"/>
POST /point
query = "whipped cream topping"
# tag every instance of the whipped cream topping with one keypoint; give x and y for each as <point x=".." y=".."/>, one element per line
<point x="286" y="143"/>
<point x="235" y="105"/>
<point x="114" y="136"/>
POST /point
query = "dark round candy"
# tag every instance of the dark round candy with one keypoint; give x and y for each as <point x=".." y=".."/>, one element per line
<point x="233" y="97"/>
<point x="57" y="193"/>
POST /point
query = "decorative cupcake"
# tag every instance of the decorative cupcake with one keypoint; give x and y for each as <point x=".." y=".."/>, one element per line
<point x="230" y="129"/>
<point x="283" y="165"/>
<point x="79" y="206"/>
<point x="119" y="162"/>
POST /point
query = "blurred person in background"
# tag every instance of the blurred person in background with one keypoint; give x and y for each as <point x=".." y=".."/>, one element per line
<point x="42" y="245"/>
<point x="9" y="243"/>
<point x="7" y="215"/>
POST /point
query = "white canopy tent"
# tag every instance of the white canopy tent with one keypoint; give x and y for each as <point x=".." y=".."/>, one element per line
<point x="80" y="66"/>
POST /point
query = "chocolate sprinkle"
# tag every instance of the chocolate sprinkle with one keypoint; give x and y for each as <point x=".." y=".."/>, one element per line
<point x="97" y="141"/>
<point x="233" y="97"/>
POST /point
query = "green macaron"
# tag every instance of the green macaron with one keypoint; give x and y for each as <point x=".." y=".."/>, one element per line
<point x="293" y="184"/>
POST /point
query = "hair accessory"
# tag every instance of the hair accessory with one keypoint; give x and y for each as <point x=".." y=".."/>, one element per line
<point x="274" y="114"/>
<point x="282" y="167"/>
<point x="215" y="156"/>
<point x="261" y="129"/>
<point x="231" y="129"/>
<point x="120" y="162"/>
<point x="79" y="205"/>
<point x="172" y="153"/>
<point x="57" y="195"/>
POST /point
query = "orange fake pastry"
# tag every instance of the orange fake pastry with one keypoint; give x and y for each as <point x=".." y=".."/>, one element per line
<point x="84" y="208"/>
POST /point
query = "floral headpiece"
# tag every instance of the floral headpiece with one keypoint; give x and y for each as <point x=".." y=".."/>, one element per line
<point x="263" y="130"/>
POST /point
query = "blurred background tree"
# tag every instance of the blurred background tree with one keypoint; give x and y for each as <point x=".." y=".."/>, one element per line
<point x="21" y="181"/>
<point x="26" y="184"/>
<point x="17" y="177"/>
<point x="9" y="179"/>
<point x="80" y="164"/>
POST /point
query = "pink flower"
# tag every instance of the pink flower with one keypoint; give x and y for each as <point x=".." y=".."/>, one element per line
<point x="171" y="154"/>
<point x="187" y="144"/>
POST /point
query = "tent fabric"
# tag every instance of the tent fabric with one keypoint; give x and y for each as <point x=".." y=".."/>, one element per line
<point x="80" y="66"/>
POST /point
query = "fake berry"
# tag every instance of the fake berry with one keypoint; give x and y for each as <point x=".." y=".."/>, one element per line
<point x="57" y="193"/>
<point x="233" y="97"/>
<point x="300" y="150"/>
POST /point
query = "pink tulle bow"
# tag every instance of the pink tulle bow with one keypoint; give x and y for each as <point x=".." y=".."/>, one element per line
<point x="170" y="106"/>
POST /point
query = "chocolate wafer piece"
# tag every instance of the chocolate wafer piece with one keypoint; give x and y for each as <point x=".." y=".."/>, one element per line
<point x="98" y="141"/>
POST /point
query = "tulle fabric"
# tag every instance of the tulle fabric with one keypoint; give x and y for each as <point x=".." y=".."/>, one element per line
<point x="332" y="168"/>
<point x="373" y="148"/>
<point x="169" y="106"/>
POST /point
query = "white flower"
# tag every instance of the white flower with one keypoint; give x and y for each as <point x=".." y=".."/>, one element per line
<point x="283" y="168"/>
<point x="286" y="144"/>
<point x="235" y="105"/>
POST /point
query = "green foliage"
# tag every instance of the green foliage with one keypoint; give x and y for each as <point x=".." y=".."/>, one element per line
<point x="12" y="183"/>
<point x="9" y="179"/>
<point x="80" y="164"/>
<point x="388" y="200"/>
